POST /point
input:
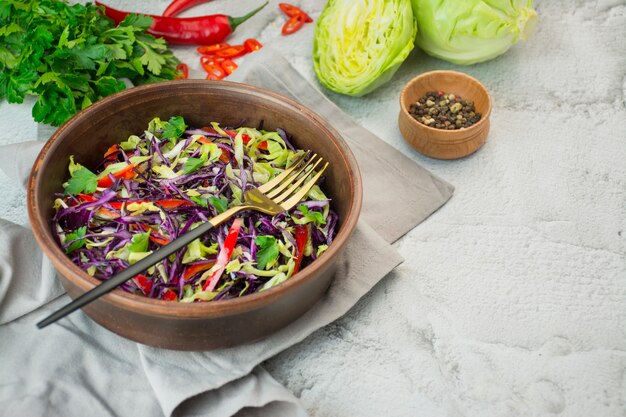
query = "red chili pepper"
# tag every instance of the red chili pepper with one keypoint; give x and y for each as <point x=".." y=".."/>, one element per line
<point x="211" y="49"/>
<point x="179" y="6"/>
<point x="184" y="70"/>
<point x="169" y="295"/>
<point x="292" y="25"/>
<point x="252" y="45"/>
<point x="231" y="52"/>
<point x="127" y="173"/>
<point x="209" y="59"/>
<point x="193" y="269"/>
<point x="214" y="71"/>
<point x="199" y="30"/>
<point x="302" y="235"/>
<point x="229" y="66"/>
<point x="292" y="11"/>
<point x="143" y="282"/>
<point x="223" y="257"/>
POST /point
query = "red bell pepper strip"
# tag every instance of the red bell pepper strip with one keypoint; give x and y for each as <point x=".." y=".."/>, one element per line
<point x="231" y="52"/>
<point x="292" y="25"/>
<point x="179" y="6"/>
<point x="107" y="214"/>
<point x="169" y="203"/>
<point x="159" y="240"/>
<point x="105" y="182"/>
<point x="111" y="151"/>
<point x="224" y="156"/>
<point x="173" y="203"/>
<point x="199" y="30"/>
<point x="229" y="66"/>
<point x="169" y="295"/>
<point x="195" y="268"/>
<point x="86" y="198"/>
<point x="154" y="237"/>
<point x="302" y="234"/>
<point x="143" y="283"/>
<point x="252" y="45"/>
<point x="223" y="257"/>
<point x="246" y="138"/>
<point x="291" y="11"/>
<point x="212" y="49"/>
<point x="127" y="173"/>
<point x="183" y="69"/>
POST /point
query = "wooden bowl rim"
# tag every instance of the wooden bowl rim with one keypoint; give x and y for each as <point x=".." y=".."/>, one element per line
<point x="145" y="305"/>
<point x="448" y="136"/>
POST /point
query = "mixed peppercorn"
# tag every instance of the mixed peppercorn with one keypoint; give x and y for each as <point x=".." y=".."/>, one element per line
<point x="444" y="111"/>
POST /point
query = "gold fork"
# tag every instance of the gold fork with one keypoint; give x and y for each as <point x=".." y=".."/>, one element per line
<point x="280" y="194"/>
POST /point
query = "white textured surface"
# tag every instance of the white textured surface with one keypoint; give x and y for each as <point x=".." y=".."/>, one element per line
<point x="512" y="301"/>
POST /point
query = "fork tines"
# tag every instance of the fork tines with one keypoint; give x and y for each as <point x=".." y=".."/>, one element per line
<point x="287" y="189"/>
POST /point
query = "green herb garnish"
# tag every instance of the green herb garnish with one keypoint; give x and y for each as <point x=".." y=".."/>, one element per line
<point x="70" y="56"/>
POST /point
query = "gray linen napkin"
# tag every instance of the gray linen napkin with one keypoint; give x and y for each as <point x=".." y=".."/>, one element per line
<point x="389" y="177"/>
<point x="76" y="365"/>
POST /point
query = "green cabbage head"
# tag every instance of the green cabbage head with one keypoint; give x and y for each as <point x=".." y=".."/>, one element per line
<point x="359" y="44"/>
<point x="465" y="32"/>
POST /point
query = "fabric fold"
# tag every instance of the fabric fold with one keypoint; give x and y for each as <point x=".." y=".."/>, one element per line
<point x="389" y="177"/>
<point x="19" y="296"/>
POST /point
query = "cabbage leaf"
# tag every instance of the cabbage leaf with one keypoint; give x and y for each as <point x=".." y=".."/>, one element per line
<point x="359" y="44"/>
<point x="466" y="32"/>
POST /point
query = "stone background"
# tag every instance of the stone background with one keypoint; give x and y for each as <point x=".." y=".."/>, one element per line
<point x="512" y="299"/>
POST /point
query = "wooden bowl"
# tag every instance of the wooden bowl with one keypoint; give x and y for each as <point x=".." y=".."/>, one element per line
<point x="440" y="143"/>
<point x="208" y="325"/>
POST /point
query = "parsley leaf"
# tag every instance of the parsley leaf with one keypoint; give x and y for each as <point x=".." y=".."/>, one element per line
<point x="137" y="22"/>
<point x="221" y="204"/>
<point x="174" y="128"/>
<point x="193" y="164"/>
<point x="106" y="86"/>
<point x="200" y="201"/>
<point x="76" y="234"/>
<point x="82" y="181"/>
<point x="267" y="254"/>
<point x="70" y="55"/>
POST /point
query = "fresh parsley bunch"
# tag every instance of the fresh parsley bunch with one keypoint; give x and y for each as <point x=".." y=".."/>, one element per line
<point x="70" y="56"/>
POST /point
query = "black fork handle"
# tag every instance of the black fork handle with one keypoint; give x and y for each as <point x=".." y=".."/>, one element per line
<point x="113" y="282"/>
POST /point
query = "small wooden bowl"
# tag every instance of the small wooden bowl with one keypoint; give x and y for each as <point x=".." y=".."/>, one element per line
<point x="440" y="143"/>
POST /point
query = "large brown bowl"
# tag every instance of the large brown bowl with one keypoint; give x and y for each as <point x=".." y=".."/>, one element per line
<point x="195" y="326"/>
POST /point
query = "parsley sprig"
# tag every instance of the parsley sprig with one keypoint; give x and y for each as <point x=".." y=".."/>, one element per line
<point x="70" y="56"/>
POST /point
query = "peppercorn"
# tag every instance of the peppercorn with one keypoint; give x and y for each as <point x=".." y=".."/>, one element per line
<point x="444" y="111"/>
